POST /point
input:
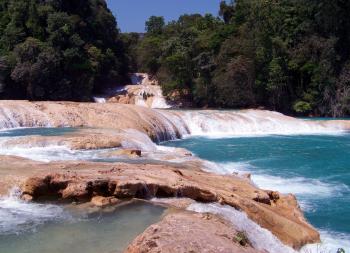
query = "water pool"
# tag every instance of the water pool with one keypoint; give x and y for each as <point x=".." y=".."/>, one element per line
<point x="314" y="167"/>
<point x="49" y="228"/>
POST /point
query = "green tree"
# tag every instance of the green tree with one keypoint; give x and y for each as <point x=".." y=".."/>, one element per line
<point x="75" y="44"/>
<point x="155" y="25"/>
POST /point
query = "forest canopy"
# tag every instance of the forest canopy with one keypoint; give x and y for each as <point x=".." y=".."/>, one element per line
<point x="286" y="55"/>
<point x="58" y="49"/>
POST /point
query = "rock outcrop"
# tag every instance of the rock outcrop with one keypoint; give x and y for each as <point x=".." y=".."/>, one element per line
<point x="144" y="91"/>
<point x="184" y="232"/>
<point x="81" y="181"/>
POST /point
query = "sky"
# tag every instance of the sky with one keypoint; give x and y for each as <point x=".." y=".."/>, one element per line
<point x="132" y="14"/>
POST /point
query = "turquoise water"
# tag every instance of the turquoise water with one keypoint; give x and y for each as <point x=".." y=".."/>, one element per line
<point x="50" y="229"/>
<point x="37" y="131"/>
<point x="41" y="228"/>
<point x="315" y="168"/>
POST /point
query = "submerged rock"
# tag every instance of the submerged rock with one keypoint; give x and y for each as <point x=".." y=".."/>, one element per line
<point x="123" y="152"/>
<point x="104" y="201"/>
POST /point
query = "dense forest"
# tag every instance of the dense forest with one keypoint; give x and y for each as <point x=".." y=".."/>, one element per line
<point x="58" y="49"/>
<point x="287" y="55"/>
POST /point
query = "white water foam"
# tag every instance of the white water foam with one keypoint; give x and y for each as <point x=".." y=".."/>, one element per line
<point x="300" y="186"/>
<point x="331" y="242"/>
<point x="17" y="216"/>
<point x="148" y="96"/>
<point x="223" y="124"/>
<point x="100" y="100"/>
<point x="145" y="91"/>
<point x="261" y="238"/>
<point x="51" y="153"/>
<point x="21" y="117"/>
<point x="138" y="140"/>
<point x="143" y="86"/>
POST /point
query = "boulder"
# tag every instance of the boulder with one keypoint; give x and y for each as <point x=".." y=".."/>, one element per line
<point x="104" y="201"/>
<point x="184" y="232"/>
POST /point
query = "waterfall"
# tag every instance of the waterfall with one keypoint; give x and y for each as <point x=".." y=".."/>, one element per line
<point x="147" y="92"/>
<point x="143" y="91"/>
<point x="249" y="123"/>
<point x="21" y="116"/>
<point x="17" y="216"/>
<point x="261" y="238"/>
<point x="163" y="125"/>
<point x="100" y="100"/>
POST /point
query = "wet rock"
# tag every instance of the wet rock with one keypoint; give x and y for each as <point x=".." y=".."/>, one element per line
<point x="35" y="187"/>
<point x="274" y="196"/>
<point x="81" y="181"/>
<point x="124" y="152"/>
<point x="247" y="176"/>
<point x="27" y="197"/>
<point x="104" y="201"/>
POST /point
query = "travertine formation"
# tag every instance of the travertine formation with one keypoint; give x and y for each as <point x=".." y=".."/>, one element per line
<point x="158" y="125"/>
<point x="184" y="232"/>
<point x="144" y="91"/>
<point x="131" y="130"/>
<point x="81" y="181"/>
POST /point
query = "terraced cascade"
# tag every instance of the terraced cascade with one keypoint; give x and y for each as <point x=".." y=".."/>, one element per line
<point x="101" y="156"/>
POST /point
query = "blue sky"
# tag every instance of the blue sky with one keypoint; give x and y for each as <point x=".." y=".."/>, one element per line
<point x="132" y="14"/>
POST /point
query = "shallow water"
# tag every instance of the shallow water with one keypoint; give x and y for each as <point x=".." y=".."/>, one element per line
<point x="315" y="168"/>
<point x="59" y="231"/>
<point x="37" y="131"/>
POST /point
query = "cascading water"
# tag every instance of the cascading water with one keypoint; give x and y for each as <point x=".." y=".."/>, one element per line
<point x="143" y="91"/>
<point x="260" y="238"/>
<point x="29" y="227"/>
<point x="147" y="92"/>
<point x="247" y="123"/>
<point x="20" y="116"/>
<point x="17" y="216"/>
<point x="313" y="167"/>
<point x="100" y="100"/>
<point x="169" y="125"/>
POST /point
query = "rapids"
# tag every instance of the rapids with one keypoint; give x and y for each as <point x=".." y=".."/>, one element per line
<point x="217" y="124"/>
<point x="260" y="238"/>
<point x="162" y="124"/>
<point x="313" y="167"/>
<point x="141" y="125"/>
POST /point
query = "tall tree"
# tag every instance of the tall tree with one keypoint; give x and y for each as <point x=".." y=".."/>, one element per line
<point x="59" y="49"/>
